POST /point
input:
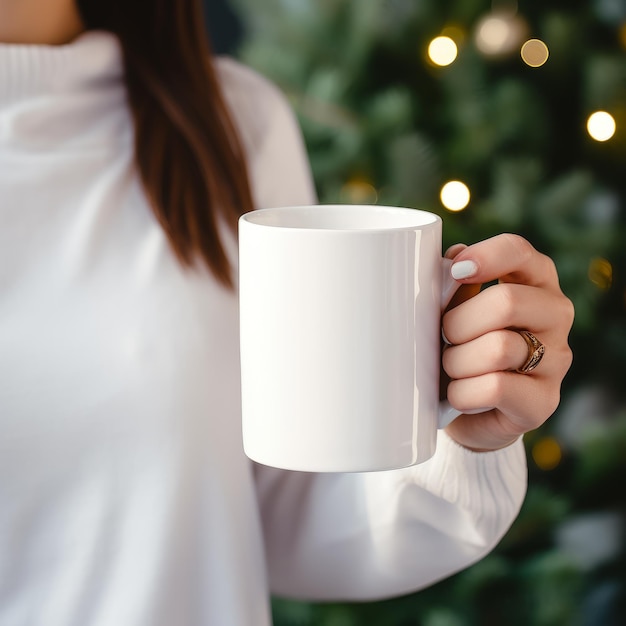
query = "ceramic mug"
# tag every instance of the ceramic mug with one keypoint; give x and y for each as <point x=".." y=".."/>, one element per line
<point x="340" y="316"/>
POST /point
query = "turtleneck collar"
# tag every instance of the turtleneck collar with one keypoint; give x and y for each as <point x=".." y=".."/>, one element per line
<point x="52" y="95"/>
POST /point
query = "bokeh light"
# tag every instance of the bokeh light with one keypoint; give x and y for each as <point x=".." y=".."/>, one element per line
<point x="547" y="453"/>
<point x="535" y="52"/>
<point x="455" y="195"/>
<point x="442" y="51"/>
<point x="499" y="34"/>
<point x="601" y="126"/>
<point x="600" y="273"/>
<point x="359" y="191"/>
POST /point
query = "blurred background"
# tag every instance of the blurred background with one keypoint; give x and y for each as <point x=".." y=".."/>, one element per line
<point x="499" y="116"/>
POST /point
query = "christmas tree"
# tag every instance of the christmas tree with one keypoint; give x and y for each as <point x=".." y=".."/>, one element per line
<point x="499" y="116"/>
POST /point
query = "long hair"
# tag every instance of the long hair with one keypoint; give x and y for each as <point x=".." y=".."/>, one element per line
<point x="187" y="149"/>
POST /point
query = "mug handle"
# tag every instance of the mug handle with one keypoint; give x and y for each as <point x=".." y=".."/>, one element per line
<point x="447" y="413"/>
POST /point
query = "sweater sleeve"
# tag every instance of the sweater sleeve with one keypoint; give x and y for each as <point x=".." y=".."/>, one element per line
<point x="374" y="535"/>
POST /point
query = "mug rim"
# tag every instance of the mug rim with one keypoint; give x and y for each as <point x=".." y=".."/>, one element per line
<point x="250" y="217"/>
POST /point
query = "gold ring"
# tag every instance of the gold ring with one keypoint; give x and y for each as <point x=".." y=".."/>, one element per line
<point x="536" y="350"/>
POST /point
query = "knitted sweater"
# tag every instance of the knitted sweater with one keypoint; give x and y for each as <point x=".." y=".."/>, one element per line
<point x="125" y="496"/>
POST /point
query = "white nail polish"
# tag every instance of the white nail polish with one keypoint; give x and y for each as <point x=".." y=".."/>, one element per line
<point x="445" y="339"/>
<point x="463" y="269"/>
<point x="478" y="411"/>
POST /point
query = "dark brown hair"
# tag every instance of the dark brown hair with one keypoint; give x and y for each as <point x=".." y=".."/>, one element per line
<point x="187" y="149"/>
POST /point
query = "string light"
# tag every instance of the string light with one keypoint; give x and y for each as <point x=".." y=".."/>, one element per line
<point x="547" y="453"/>
<point x="600" y="273"/>
<point x="455" y="195"/>
<point x="601" y="126"/>
<point x="535" y="52"/>
<point x="442" y="51"/>
<point x="359" y="191"/>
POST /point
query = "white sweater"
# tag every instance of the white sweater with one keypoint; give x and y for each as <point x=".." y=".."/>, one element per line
<point x="125" y="497"/>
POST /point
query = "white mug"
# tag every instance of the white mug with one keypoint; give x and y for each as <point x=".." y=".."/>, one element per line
<point x="340" y="316"/>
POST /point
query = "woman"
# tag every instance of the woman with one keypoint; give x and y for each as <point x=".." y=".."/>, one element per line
<point x="125" y="498"/>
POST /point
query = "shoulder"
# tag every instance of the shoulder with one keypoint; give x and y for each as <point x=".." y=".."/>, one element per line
<point x="256" y="104"/>
<point x="277" y="160"/>
<point x="238" y="79"/>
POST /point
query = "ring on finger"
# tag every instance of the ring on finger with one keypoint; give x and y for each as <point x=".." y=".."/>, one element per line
<point x="536" y="350"/>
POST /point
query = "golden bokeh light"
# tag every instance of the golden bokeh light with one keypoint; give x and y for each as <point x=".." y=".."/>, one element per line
<point x="442" y="51"/>
<point x="547" y="453"/>
<point x="359" y="191"/>
<point x="455" y="195"/>
<point x="535" y="53"/>
<point x="601" y="126"/>
<point x="600" y="273"/>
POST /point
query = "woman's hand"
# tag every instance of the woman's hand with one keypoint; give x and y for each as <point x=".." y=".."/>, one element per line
<point x="500" y="403"/>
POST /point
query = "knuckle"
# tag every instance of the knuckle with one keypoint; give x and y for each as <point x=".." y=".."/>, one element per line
<point x="569" y="313"/>
<point x="494" y="388"/>
<point x="502" y="346"/>
<point x="506" y="302"/>
<point x="553" y="399"/>
<point x="565" y="359"/>
<point x="562" y="316"/>
<point x="549" y="268"/>
<point x="522" y="247"/>
<point x="568" y="357"/>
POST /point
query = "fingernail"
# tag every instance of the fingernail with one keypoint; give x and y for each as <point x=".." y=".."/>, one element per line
<point x="478" y="411"/>
<point x="463" y="269"/>
<point x="445" y="339"/>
